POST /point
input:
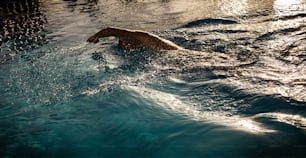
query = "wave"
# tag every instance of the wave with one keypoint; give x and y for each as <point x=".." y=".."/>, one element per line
<point x="286" y="31"/>
<point x="209" y="21"/>
<point x="173" y="103"/>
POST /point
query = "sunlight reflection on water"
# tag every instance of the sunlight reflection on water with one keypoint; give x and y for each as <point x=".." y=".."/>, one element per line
<point x="285" y="7"/>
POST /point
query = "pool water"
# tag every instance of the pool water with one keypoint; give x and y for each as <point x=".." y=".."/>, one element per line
<point x="238" y="92"/>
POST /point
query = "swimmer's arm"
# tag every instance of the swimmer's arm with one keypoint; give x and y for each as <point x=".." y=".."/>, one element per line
<point x="139" y="38"/>
<point x="103" y="33"/>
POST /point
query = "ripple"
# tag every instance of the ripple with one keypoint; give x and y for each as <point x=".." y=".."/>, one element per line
<point x="209" y="21"/>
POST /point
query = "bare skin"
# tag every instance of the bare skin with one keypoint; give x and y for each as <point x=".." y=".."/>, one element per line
<point x="129" y="39"/>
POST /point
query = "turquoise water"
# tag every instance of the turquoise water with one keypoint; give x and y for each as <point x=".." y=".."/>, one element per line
<point x="239" y="92"/>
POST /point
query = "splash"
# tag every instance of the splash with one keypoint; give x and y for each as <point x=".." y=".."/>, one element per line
<point x="55" y="77"/>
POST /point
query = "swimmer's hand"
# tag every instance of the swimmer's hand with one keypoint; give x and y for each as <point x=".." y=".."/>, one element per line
<point x="93" y="39"/>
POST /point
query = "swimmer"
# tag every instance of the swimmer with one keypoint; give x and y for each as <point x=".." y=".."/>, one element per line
<point x="131" y="39"/>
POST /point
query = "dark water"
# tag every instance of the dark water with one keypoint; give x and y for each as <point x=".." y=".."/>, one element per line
<point x="238" y="92"/>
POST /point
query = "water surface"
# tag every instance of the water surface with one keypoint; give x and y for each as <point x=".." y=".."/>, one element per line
<point x="238" y="92"/>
